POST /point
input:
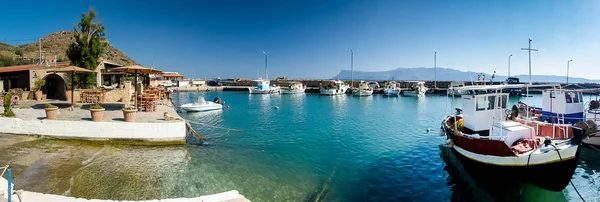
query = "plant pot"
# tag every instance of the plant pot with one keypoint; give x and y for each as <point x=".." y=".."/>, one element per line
<point x="129" y="115"/>
<point x="38" y="95"/>
<point x="68" y="95"/>
<point x="51" y="113"/>
<point x="97" y="114"/>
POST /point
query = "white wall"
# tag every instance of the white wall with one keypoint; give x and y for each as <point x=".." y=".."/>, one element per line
<point x="151" y="132"/>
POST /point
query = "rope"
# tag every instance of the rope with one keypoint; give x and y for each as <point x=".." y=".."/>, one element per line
<point x="570" y="181"/>
<point x="217" y="127"/>
<point x="326" y="184"/>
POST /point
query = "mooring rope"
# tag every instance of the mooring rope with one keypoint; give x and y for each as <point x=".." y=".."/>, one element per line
<point x="217" y="127"/>
<point x="326" y="184"/>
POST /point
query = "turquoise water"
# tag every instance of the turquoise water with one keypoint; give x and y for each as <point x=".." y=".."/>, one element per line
<point x="312" y="148"/>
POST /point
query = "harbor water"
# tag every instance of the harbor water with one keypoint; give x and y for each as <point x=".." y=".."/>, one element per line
<point x="312" y="148"/>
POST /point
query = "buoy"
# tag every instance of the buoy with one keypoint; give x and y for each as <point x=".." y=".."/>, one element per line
<point x="276" y="107"/>
<point x="428" y="129"/>
<point x="228" y="107"/>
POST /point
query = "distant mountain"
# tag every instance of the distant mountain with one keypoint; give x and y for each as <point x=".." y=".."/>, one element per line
<point x="56" y="44"/>
<point x="446" y="74"/>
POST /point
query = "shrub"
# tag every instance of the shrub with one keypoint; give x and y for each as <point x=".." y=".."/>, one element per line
<point x="39" y="84"/>
<point x="129" y="108"/>
<point x="48" y="106"/>
<point x="97" y="106"/>
<point x="7" y="110"/>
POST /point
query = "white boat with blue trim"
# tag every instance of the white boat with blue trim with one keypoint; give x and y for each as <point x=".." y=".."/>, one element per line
<point x="202" y="105"/>
<point x="294" y="88"/>
<point x="364" y="89"/>
<point x="391" y="89"/>
<point x="264" y="87"/>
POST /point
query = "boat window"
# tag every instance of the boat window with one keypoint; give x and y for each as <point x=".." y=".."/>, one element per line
<point x="568" y="98"/>
<point x="575" y="97"/>
<point x="491" y="102"/>
<point x="580" y="96"/>
<point x="481" y="103"/>
<point x="504" y="101"/>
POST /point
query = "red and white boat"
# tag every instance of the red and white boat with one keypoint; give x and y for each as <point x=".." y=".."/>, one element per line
<point x="492" y="137"/>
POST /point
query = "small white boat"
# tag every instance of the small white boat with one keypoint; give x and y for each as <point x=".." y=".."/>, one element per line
<point x="391" y="89"/>
<point x="264" y="88"/>
<point x="295" y="88"/>
<point x="364" y="89"/>
<point x="418" y="90"/>
<point x="337" y="87"/>
<point x="201" y="106"/>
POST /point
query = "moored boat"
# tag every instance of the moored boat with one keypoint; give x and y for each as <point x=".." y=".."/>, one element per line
<point x="391" y="89"/>
<point x="452" y="88"/>
<point x="418" y="90"/>
<point x="336" y="87"/>
<point x="264" y="88"/>
<point x="364" y="89"/>
<point x="294" y="88"/>
<point x="202" y="105"/>
<point x="539" y="153"/>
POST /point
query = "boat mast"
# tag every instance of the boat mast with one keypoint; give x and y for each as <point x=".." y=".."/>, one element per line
<point x="266" y="73"/>
<point x="434" y="70"/>
<point x="351" y="69"/>
<point x="529" y="50"/>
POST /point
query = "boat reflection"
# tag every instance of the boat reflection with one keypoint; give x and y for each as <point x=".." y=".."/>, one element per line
<point x="470" y="183"/>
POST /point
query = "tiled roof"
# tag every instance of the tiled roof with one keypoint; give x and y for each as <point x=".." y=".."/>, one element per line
<point x="29" y="67"/>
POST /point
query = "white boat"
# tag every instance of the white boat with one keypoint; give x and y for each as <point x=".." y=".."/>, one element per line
<point x="373" y="84"/>
<point x="493" y="138"/>
<point x="364" y="89"/>
<point x="391" y="89"/>
<point x="418" y="90"/>
<point x="452" y="89"/>
<point x="201" y="106"/>
<point x="264" y="88"/>
<point x="336" y="87"/>
<point x="295" y="88"/>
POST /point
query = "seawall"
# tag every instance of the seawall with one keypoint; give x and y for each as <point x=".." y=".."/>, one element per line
<point x="163" y="133"/>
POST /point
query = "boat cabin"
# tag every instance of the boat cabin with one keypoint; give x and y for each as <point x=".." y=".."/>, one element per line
<point x="263" y="84"/>
<point x="480" y="111"/>
<point x="364" y="86"/>
<point x="558" y="104"/>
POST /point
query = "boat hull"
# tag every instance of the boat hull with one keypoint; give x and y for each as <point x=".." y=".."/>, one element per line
<point x="412" y="93"/>
<point x="332" y="92"/>
<point x="263" y="91"/>
<point x="363" y="93"/>
<point x="388" y="92"/>
<point x="295" y="91"/>
<point x="200" y="108"/>
<point x="553" y="176"/>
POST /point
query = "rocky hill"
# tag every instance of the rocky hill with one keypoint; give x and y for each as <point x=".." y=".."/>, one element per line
<point x="56" y="44"/>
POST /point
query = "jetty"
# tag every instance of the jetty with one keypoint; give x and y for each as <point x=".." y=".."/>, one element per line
<point x="148" y="128"/>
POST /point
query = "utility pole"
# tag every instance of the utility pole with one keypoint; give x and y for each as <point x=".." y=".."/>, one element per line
<point x="434" y="70"/>
<point x="568" y="63"/>
<point x="351" y="69"/>
<point x="509" y="65"/>
<point x="529" y="50"/>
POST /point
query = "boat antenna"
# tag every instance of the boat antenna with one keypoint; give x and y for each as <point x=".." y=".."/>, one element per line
<point x="351" y="69"/>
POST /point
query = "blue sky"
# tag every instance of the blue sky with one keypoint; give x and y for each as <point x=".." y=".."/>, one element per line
<point x="313" y="39"/>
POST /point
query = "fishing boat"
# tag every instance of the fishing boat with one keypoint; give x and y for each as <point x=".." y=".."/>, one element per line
<point x="418" y="89"/>
<point x="335" y="87"/>
<point x="391" y="89"/>
<point x="567" y="107"/>
<point x="202" y="105"/>
<point x="374" y="84"/>
<point x="364" y="89"/>
<point x="502" y="144"/>
<point x="294" y="88"/>
<point x="264" y="88"/>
